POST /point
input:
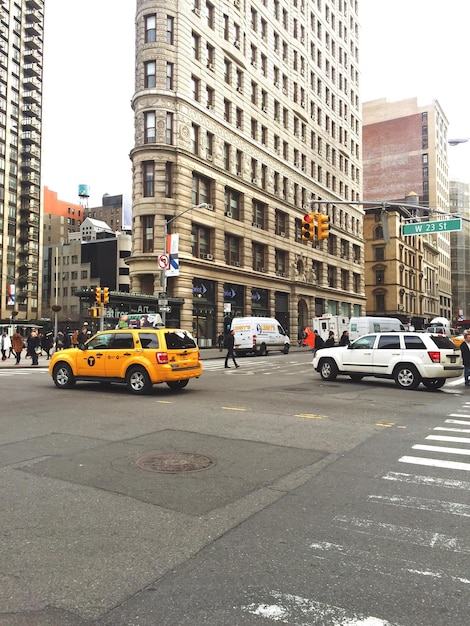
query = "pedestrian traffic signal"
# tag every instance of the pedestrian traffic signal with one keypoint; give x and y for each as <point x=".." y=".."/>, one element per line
<point x="308" y="227"/>
<point x="323" y="226"/>
<point x="105" y="295"/>
<point x="98" y="294"/>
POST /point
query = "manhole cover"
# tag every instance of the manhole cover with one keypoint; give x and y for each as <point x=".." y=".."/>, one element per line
<point x="174" y="462"/>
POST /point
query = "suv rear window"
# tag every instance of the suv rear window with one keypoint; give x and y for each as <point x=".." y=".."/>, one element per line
<point x="179" y="339"/>
<point x="412" y="342"/>
<point x="443" y="342"/>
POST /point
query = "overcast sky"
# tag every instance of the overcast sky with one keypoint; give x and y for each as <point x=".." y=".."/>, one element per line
<point x="408" y="48"/>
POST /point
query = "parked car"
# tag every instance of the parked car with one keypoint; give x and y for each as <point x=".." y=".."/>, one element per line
<point x="138" y="358"/>
<point x="409" y="358"/>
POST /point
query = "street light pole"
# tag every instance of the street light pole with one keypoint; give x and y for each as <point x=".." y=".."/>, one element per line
<point x="163" y="277"/>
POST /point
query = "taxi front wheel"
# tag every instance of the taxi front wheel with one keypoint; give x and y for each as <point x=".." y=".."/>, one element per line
<point x="63" y="376"/>
<point x="138" y="380"/>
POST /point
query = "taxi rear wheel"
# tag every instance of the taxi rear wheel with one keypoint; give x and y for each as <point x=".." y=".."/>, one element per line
<point x="178" y="384"/>
<point x="63" y="376"/>
<point x="138" y="380"/>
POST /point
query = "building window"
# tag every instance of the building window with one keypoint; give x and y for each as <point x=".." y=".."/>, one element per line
<point x="169" y="75"/>
<point x="379" y="253"/>
<point x="281" y="262"/>
<point x="227" y="153"/>
<point x="170" y="29"/>
<point x="232" y="250"/>
<point x="201" y="188"/>
<point x="147" y="233"/>
<point x="169" y="129"/>
<point x="259" y="210"/>
<point x="331" y="276"/>
<point x="195" y="87"/>
<point x="200" y="241"/>
<point x="345" y="280"/>
<point x="150" y="28"/>
<point x="210" y="15"/>
<point x="149" y="127"/>
<point x="379" y="277"/>
<point x="196" y="41"/>
<point x="380" y="302"/>
<point x="148" y="170"/>
<point x="232" y="203"/>
<point x="168" y="179"/>
<point x="149" y="72"/>
<point x="209" y="146"/>
<point x="258" y="257"/>
<point x="194" y="139"/>
<point x="378" y="232"/>
<point x="281" y="223"/>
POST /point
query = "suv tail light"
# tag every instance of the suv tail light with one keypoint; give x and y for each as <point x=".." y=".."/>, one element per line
<point x="162" y="358"/>
<point x="434" y="356"/>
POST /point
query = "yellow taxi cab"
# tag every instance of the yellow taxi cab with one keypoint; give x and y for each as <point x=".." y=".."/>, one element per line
<point x="139" y="358"/>
<point x="458" y="340"/>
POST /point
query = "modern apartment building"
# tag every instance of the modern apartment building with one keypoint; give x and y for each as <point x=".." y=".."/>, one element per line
<point x="460" y="245"/>
<point x="405" y="154"/>
<point x="251" y="108"/>
<point x="21" y="59"/>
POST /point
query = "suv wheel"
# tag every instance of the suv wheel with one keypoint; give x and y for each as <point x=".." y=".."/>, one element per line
<point x="406" y="376"/>
<point x="138" y="380"/>
<point x="178" y="384"/>
<point x="63" y="377"/>
<point x="434" y="383"/>
<point x="328" y="369"/>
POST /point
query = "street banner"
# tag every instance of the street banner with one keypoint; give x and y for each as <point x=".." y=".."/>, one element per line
<point x="11" y="295"/>
<point x="172" y="250"/>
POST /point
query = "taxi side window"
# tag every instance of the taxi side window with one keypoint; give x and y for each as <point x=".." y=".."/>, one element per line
<point x="149" y="340"/>
<point x="389" y="342"/>
<point x="100" y="342"/>
<point x="122" y="342"/>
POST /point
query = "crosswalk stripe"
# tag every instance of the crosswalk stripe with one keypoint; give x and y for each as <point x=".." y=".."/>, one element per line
<point x="423" y="504"/>
<point x="435" y="463"/>
<point x="427" y="480"/>
<point x="462" y="451"/>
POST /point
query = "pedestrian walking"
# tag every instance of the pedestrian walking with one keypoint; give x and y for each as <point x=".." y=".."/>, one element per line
<point x="230" y="344"/>
<point x="465" y="350"/>
<point x="319" y="342"/>
<point x="34" y="347"/>
<point x="47" y="343"/>
<point x="220" y="342"/>
<point x="66" y="341"/>
<point x="5" y="345"/>
<point x="344" y="341"/>
<point x="75" y="338"/>
<point x="309" y="338"/>
<point x="18" y="345"/>
<point x="82" y="336"/>
<point x="330" y="342"/>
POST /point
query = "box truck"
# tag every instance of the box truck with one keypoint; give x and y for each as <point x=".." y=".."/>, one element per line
<point x="336" y="323"/>
<point x="359" y="326"/>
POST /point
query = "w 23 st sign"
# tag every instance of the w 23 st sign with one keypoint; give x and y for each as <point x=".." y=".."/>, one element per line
<point x="427" y="228"/>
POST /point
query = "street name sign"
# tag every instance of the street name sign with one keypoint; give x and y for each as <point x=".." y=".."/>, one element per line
<point x="428" y="228"/>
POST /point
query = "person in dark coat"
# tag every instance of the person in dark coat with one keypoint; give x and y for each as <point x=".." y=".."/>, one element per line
<point x="47" y="343"/>
<point x="230" y="344"/>
<point x="34" y="346"/>
<point x="66" y="341"/>
<point x="344" y="341"/>
<point x="465" y="350"/>
<point x="330" y="342"/>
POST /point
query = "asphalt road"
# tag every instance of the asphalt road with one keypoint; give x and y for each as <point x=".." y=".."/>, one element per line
<point x="322" y="503"/>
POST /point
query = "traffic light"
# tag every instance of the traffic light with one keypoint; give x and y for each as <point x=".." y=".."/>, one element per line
<point x="98" y="294"/>
<point x="323" y="226"/>
<point x="308" y="227"/>
<point x="105" y="295"/>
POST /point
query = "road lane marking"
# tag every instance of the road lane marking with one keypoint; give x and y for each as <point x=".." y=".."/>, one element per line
<point x="435" y="463"/>
<point x="423" y="504"/>
<point x="403" y="534"/>
<point x="453" y="430"/>
<point x="414" y="479"/>
<point x="361" y="560"/>
<point x="311" y="416"/>
<point x="287" y="608"/>
<point x="448" y="438"/>
<point x="233" y="408"/>
<point x="462" y="451"/>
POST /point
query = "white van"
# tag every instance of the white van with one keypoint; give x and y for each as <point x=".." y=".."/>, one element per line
<point x="257" y="335"/>
<point x="359" y="326"/>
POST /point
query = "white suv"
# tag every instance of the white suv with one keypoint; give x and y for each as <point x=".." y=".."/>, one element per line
<point x="407" y="357"/>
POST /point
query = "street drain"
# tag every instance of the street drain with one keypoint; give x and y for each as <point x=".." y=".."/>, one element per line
<point x="174" y="462"/>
